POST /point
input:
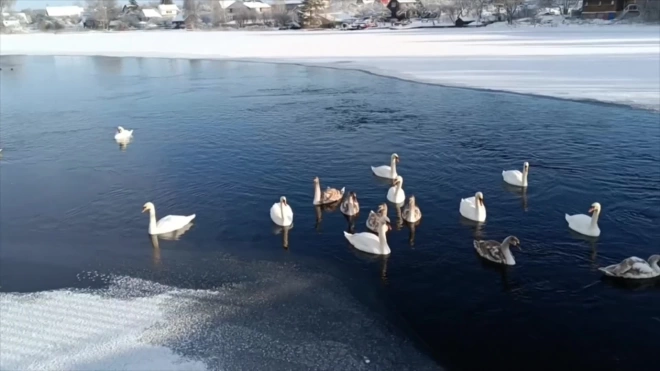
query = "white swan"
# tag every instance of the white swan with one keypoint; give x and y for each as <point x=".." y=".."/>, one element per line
<point x="395" y="194"/>
<point x="368" y="242"/>
<point x="385" y="171"/>
<point x="585" y="224"/>
<point x="497" y="252"/>
<point x="123" y="134"/>
<point x="412" y="213"/>
<point x="166" y="224"/>
<point x="329" y="196"/>
<point x="515" y="177"/>
<point x="634" y="268"/>
<point x="473" y="208"/>
<point x="281" y="213"/>
<point x="374" y="218"/>
<point x="350" y="205"/>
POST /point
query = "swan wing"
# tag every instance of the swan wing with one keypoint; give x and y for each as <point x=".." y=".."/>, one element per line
<point x="383" y="171"/>
<point x="172" y="222"/>
<point x="490" y="250"/>
<point x="332" y="195"/>
<point x="372" y="221"/>
<point x="364" y="241"/>
<point x="512" y="176"/>
<point x="578" y="220"/>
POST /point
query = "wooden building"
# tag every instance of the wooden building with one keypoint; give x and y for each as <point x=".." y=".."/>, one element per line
<point x="605" y="9"/>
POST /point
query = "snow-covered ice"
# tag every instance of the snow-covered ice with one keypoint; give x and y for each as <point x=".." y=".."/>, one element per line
<point x="266" y="316"/>
<point x="614" y="63"/>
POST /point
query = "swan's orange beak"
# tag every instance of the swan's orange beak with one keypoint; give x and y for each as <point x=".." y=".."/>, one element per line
<point x="592" y="210"/>
<point x="144" y="209"/>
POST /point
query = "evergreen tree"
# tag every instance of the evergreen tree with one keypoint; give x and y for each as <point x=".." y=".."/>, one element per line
<point x="311" y="9"/>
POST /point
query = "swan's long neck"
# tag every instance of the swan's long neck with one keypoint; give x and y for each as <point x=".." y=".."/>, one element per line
<point x="411" y="206"/>
<point x="481" y="210"/>
<point x="152" y="219"/>
<point x="594" y="218"/>
<point x="398" y="187"/>
<point x="393" y="167"/>
<point x="317" y="193"/>
<point x="382" y="239"/>
<point x="524" y="176"/>
<point x="506" y="251"/>
<point x="282" y="209"/>
<point x="654" y="266"/>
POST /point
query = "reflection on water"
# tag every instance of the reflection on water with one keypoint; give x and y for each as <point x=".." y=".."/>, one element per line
<point x="519" y="191"/>
<point x="225" y="138"/>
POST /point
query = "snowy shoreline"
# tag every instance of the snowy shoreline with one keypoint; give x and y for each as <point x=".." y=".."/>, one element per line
<point x="611" y="64"/>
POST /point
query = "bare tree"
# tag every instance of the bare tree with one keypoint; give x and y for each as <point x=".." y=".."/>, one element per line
<point x="218" y="13"/>
<point x="241" y="17"/>
<point x="649" y="10"/>
<point x="280" y="14"/>
<point x="5" y="5"/>
<point x="478" y="7"/>
<point x="511" y="7"/>
<point x="103" y="11"/>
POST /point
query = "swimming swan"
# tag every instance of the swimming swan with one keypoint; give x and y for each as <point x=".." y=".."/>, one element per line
<point x="473" y="208"/>
<point x="167" y="224"/>
<point x="411" y="212"/>
<point x="497" y="252"/>
<point x="395" y="194"/>
<point x="368" y="242"/>
<point x="123" y="134"/>
<point x="385" y="171"/>
<point x="374" y="218"/>
<point x="350" y="205"/>
<point x="281" y="213"/>
<point x="329" y="196"/>
<point x="634" y="268"/>
<point x="515" y="177"/>
<point x="585" y="224"/>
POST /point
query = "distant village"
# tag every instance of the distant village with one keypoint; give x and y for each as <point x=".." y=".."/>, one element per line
<point x="311" y="14"/>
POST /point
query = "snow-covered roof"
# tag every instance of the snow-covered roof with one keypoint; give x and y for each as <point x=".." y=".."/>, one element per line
<point x="151" y="13"/>
<point x="168" y="7"/>
<point x="225" y="4"/>
<point x="255" y="5"/>
<point x="406" y="1"/>
<point x="64" y="11"/>
<point x="285" y="2"/>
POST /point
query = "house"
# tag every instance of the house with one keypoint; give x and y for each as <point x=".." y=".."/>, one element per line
<point x="168" y="10"/>
<point x="604" y="9"/>
<point x="151" y="14"/>
<point x="289" y="5"/>
<point x="252" y="8"/>
<point x="64" y="11"/>
<point x="20" y="17"/>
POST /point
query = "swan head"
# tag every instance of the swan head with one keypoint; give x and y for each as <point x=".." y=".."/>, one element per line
<point x="119" y="129"/>
<point x="395" y="157"/>
<point x="526" y="165"/>
<point x="479" y="198"/>
<point x="148" y="207"/>
<point x="283" y="200"/>
<point x="595" y="208"/>
<point x="353" y="196"/>
<point x="398" y="180"/>
<point x="382" y="209"/>
<point x="514" y="241"/>
<point x="316" y="180"/>
<point x="411" y="200"/>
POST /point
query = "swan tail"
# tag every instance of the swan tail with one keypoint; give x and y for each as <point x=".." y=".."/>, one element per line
<point x="192" y="217"/>
<point x="348" y="236"/>
<point x="343" y="189"/>
<point x="567" y="217"/>
<point x="475" y="243"/>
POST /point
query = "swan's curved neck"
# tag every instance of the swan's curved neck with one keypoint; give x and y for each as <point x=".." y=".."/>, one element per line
<point x="393" y="167"/>
<point x="399" y="185"/>
<point x="594" y="218"/>
<point x="654" y="266"/>
<point x="480" y="210"/>
<point x="282" y="209"/>
<point x="506" y="251"/>
<point x="411" y="205"/>
<point x="382" y="240"/>
<point x="317" y="193"/>
<point x="524" y="176"/>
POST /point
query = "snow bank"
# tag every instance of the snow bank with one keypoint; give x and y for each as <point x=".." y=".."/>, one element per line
<point x="74" y="330"/>
<point x="617" y="64"/>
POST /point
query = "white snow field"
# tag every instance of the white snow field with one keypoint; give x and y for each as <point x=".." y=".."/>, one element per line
<point x="610" y="63"/>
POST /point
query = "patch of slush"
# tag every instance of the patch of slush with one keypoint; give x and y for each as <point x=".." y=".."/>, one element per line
<point x="272" y="317"/>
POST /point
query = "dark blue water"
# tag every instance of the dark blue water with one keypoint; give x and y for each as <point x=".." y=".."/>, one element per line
<point x="224" y="140"/>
